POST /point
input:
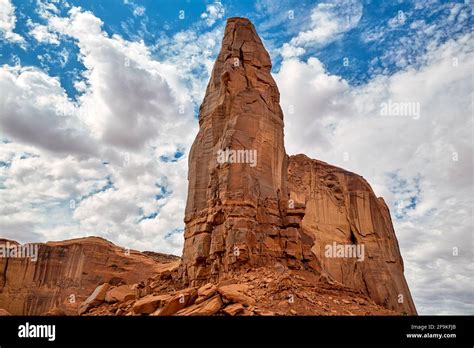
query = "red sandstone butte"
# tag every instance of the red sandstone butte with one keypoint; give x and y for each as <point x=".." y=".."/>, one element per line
<point x="281" y="209"/>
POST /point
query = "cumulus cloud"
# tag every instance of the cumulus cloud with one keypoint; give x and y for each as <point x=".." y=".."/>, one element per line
<point x="329" y="20"/>
<point x="8" y="22"/>
<point x="213" y="13"/>
<point x="42" y="34"/>
<point x="194" y="53"/>
<point x="92" y="166"/>
<point x="421" y="165"/>
<point x="131" y="100"/>
<point x="290" y="51"/>
<point x="306" y="88"/>
<point x="29" y="100"/>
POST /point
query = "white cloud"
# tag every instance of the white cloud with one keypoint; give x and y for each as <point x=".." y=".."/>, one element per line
<point x="42" y="34"/>
<point x="29" y="100"/>
<point x="402" y="157"/>
<point x="329" y="20"/>
<point x="290" y="51"/>
<point x="408" y="33"/>
<point x="48" y="8"/>
<point x="37" y="188"/>
<point x="8" y="22"/>
<point x="194" y="53"/>
<point x="213" y="12"/>
<point x="137" y="10"/>
<point x="132" y="99"/>
<point x="133" y="110"/>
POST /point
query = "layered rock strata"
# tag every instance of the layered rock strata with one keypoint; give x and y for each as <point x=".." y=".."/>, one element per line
<point x="342" y="210"/>
<point x="63" y="274"/>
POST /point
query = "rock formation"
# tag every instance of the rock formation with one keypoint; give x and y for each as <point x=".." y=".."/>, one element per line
<point x="341" y="208"/>
<point x="65" y="273"/>
<point x="266" y="233"/>
<point x="237" y="198"/>
<point x="245" y="212"/>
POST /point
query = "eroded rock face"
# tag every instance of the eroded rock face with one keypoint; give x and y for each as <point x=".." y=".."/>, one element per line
<point x="277" y="210"/>
<point x="342" y="210"/>
<point x="65" y="273"/>
<point x="237" y="197"/>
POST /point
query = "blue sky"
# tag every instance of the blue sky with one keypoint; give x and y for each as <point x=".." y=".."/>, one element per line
<point x="99" y="100"/>
<point x="362" y="46"/>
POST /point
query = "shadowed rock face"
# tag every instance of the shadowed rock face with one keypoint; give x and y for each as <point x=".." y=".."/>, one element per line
<point x="66" y="272"/>
<point x="242" y="214"/>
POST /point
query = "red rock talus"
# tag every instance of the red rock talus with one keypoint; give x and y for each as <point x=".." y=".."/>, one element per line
<point x="66" y="272"/>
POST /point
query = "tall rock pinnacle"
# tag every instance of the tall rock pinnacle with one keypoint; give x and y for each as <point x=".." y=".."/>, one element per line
<point x="250" y="205"/>
<point x="237" y="167"/>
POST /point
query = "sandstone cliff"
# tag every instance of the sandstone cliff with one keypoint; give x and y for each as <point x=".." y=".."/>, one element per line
<point x="66" y="272"/>
<point x="341" y="208"/>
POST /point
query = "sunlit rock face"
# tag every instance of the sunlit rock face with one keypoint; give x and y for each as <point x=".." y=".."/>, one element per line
<point x="236" y="213"/>
<point x="343" y="211"/>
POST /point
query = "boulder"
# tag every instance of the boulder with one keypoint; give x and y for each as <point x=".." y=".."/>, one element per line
<point x="55" y="312"/>
<point x="96" y="298"/>
<point x="150" y="303"/>
<point x="120" y="294"/>
<point x="208" y="307"/>
<point x="233" y="309"/>
<point x="181" y="300"/>
<point x="236" y="293"/>
<point x="205" y="292"/>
